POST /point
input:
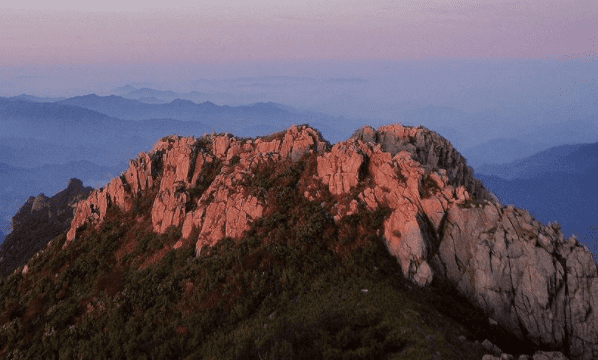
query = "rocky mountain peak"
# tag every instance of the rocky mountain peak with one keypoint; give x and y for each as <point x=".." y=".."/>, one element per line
<point x="74" y="184"/>
<point x="40" y="202"/>
<point x="441" y="224"/>
<point x="429" y="149"/>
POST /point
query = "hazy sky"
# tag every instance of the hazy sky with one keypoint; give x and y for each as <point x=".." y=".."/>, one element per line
<point x="178" y="31"/>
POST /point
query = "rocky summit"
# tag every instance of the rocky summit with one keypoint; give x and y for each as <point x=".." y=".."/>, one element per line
<point x="439" y="223"/>
<point x="38" y="221"/>
<point x="442" y="223"/>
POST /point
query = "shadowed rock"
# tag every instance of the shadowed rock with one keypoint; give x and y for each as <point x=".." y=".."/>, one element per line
<point x="37" y="222"/>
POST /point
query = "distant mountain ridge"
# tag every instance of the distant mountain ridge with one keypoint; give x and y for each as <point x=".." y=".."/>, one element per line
<point x="63" y="125"/>
<point x="573" y="159"/>
<point x="555" y="184"/>
<point x="181" y="109"/>
<point x="22" y="152"/>
<point x="247" y="120"/>
<point x="25" y="97"/>
<point x="165" y="96"/>
<point x="500" y="151"/>
<point x="61" y="121"/>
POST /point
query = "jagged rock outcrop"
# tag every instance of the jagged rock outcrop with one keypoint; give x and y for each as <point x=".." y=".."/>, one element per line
<point x="38" y="221"/>
<point x="442" y="225"/>
<point x="430" y="150"/>
<point x="198" y="184"/>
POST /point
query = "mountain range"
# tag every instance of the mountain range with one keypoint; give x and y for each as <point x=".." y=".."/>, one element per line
<point x="247" y="120"/>
<point x="577" y="159"/>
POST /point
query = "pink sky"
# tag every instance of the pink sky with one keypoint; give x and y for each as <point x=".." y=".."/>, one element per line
<point x="121" y="32"/>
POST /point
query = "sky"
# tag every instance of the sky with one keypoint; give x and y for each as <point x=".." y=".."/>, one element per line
<point x="37" y="32"/>
<point x="68" y="48"/>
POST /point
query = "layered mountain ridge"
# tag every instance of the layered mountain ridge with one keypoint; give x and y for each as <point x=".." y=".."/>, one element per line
<point x="442" y="224"/>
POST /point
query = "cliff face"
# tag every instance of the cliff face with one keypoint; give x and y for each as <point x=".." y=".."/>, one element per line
<point x="442" y="224"/>
<point x="39" y="220"/>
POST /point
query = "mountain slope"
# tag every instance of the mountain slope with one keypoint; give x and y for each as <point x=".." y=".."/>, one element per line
<point x="5" y="225"/>
<point x="224" y="247"/>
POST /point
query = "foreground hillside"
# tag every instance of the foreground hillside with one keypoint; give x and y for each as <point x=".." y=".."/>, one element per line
<point x="283" y="247"/>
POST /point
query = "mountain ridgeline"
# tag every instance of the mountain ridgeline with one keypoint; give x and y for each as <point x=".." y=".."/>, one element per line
<point x="381" y="246"/>
<point x="558" y="183"/>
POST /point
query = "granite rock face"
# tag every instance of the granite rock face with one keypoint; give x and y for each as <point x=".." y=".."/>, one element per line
<point x="525" y="275"/>
<point x="198" y="183"/>
<point x="430" y="150"/>
<point x="38" y="221"/>
<point x="443" y="225"/>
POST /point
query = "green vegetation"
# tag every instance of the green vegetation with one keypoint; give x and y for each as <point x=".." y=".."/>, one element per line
<point x="427" y="187"/>
<point x="296" y="285"/>
<point x="209" y="172"/>
<point x="234" y="160"/>
<point x="474" y="203"/>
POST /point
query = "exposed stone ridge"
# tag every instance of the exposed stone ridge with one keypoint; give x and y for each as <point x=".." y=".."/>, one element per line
<point x="443" y="225"/>
<point x="38" y="221"/>
<point x="198" y="183"/>
<point x="429" y="149"/>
